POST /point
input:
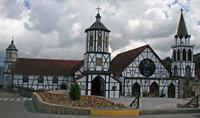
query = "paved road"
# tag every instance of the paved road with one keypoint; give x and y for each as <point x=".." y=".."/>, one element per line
<point x="13" y="109"/>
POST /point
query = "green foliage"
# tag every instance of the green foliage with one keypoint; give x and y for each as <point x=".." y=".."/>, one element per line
<point x="75" y="92"/>
<point x="145" y="93"/>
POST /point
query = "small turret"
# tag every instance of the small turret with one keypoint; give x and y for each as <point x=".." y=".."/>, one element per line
<point x="11" y="53"/>
<point x="10" y="59"/>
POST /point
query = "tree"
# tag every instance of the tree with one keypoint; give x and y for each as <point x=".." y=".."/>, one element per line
<point x="75" y="91"/>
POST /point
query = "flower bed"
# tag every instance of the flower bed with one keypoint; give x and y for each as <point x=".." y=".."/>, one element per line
<point x="85" y="101"/>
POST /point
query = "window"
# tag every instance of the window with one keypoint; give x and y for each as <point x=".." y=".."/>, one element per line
<point x="184" y="54"/>
<point x="98" y="61"/>
<point x="40" y="79"/>
<point x="99" y="43"/>
<point x="178" y="54"/>
<point x="174" y="55"/>
<point x="91" y="40"/>
<point x="25" y="78"/>
<point x="55" y="79"/>
<point x="189" y="55"/>
<point x="114" y="88"/>
<point x="188" y="71"/>
<point x="175" y="71"/>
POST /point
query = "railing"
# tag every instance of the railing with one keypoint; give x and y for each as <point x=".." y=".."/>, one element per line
<point x="194" y="103"/>
<point x="135" y="102"/>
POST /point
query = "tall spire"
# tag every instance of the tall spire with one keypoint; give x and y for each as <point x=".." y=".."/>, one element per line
<point x="182" y="30"/>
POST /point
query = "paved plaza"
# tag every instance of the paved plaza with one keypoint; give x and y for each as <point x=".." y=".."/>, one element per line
<point x="10" y="107"/>
<point x="153" y="103"/>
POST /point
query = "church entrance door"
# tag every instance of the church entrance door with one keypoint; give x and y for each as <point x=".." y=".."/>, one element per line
<point x="135" y="89"/>
<point x="154" y="89"/>
<point x="98" y="86"/>
<point x="171" y="91"/>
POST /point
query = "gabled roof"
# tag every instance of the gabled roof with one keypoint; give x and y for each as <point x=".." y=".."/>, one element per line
<point x="45" y="66"/>
<point x="122" y="60"/>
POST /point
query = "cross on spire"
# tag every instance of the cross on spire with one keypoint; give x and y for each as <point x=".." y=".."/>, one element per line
<point x="12" y="40"/>
<point x="181" y="10"/>
<point x="98" y="9"/>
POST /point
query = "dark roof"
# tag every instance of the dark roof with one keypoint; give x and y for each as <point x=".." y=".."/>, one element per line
<point x="45" y="66"/>
<point x="182" y="30"/>
<point x="122" y="60"/>
<point x="12" y="46"/>
<point x="97" y="25"/>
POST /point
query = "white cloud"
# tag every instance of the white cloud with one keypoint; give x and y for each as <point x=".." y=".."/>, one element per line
<point x="55" y="29"/>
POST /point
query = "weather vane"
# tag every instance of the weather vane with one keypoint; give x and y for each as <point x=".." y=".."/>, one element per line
<point x="98" y="9"/>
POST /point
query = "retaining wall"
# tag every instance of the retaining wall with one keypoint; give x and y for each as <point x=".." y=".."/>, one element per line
<point x="43" y="106"/>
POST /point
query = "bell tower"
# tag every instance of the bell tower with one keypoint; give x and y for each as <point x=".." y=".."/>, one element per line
<point x="97" y="56"/>
<point x="10" y="59"/>
<point x="182" y="66"/>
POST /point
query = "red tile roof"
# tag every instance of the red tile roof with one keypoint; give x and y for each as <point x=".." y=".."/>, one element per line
<point x="45" y="66"/>
<point x="122" y="60"/>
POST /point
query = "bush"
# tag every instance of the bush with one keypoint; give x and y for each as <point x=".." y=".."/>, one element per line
<point x="75" y="92"/>
<point x="145" y="93"/>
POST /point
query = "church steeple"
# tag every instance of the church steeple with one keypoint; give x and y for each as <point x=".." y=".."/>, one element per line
<point x="182" y="52"/>
<point x="182" y="29"/>
<point x="97" y="56"/>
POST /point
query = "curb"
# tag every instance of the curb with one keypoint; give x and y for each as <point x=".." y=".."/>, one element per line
<point x="170" y="111"/>
<point x="115" y="112"/>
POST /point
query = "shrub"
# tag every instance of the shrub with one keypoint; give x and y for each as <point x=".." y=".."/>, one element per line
<point x="75" y="92"/>
<point x="145" y="93"/>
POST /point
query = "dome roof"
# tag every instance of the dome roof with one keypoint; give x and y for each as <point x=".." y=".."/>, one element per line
<point x="97" y="25"/>
<point x="12" y="46"/>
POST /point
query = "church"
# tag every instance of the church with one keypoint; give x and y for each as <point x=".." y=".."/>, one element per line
<point x="139" y="71"/>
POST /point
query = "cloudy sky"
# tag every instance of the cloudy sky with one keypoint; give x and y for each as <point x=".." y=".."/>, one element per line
<point x="55" y="28"/>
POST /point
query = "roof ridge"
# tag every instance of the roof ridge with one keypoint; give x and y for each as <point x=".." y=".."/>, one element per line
<point x="47" y="59"/>
<point x="134" y="49"/>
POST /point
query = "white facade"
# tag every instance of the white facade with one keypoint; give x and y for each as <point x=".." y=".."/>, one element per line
<point x="46" y="82"/>
<point x="132" y="77"/>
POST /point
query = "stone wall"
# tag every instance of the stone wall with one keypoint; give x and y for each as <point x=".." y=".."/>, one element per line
<point x="42" y="106"/>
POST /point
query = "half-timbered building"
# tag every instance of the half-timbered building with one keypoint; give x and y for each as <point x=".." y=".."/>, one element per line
<point x="138" y="71"/>
<point x="141" y="71"/>
<point x="96" y="78"/>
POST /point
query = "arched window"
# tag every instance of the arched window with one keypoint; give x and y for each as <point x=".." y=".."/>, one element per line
<point x="99" y="41"/>
<point x="178" y="55"/>
<point x="189" y="55"/>
<point x="174" y="55"/>
<point x="91" y="40"/>
<point x="184" y="54"/>
<point x="175" y="71"/>
<point x="188" y="71"/>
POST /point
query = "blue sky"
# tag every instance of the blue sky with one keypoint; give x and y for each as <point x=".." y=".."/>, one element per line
<point x="55" y="28"/>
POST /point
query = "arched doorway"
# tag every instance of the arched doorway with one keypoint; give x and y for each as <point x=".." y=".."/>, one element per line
<point x="135" y="89"/>
<point x="154" y="89"/>
<point x="98" y="86"/>
<point x="171" y="91"/>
